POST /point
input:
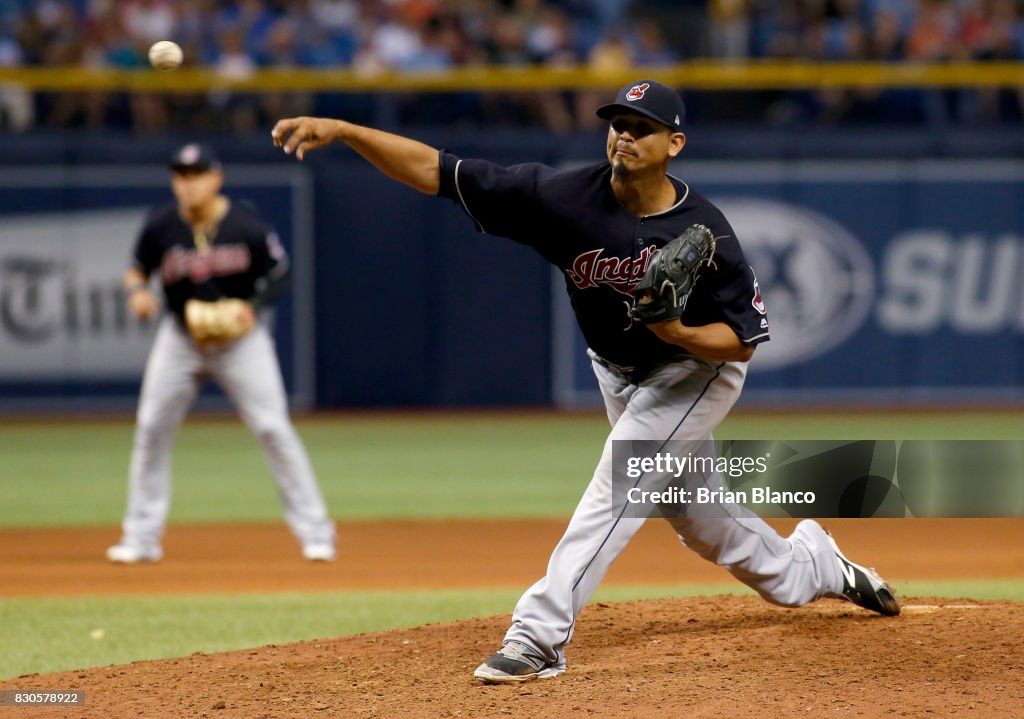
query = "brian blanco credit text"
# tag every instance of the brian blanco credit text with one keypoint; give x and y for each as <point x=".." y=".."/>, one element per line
<point x="706" y="495"/>
<point x="665" y="463"/>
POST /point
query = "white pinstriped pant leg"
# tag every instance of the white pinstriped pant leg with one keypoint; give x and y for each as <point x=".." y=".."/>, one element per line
<point x="170" y="383"/>
<point x="682" y="401"/>
<point x="250" y="375"/>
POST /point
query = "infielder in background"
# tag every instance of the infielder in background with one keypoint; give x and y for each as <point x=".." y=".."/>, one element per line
<point x="674" y="379"/>
<point x="218" y="263"/>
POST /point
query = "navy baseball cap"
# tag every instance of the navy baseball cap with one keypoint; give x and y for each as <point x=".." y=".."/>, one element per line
<point x="195" y="156"/>
<point x="649" y="98"/>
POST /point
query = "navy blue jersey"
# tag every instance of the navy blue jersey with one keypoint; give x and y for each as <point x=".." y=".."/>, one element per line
<point x="573" y="219"/>
<point x="243" y="255"/>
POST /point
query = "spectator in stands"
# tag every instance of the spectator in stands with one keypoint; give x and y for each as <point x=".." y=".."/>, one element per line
<point x="933" y="38"/>
<point x="17" y="112"/>
<point x="339" y="19"/>
<point x="650" y="46"/>
<point x="237" y="36"/>
<point x="148" y="21"/>
<point x="990" y="30"/>
<point x="196" y="30"/>
<point x="729" y="24"/>
<point x="236" y="111"/>
<point x="933" y="34"/>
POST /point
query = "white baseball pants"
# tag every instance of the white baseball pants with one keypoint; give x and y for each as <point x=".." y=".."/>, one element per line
<point x="684" y="400"/>
<point x="248" y="372"/>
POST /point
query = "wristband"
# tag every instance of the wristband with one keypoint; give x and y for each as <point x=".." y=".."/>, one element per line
<point x="134" y="287"/>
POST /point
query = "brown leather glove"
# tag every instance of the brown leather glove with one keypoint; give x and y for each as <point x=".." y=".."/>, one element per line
<point x="220" y="322"/>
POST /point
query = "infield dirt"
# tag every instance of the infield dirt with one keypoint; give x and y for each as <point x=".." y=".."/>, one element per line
<point x="725" y="656"/>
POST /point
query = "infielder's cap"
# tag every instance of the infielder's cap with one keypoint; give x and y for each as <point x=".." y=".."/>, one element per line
<point x="649" y="98"/>
<point x="195" y="156"/>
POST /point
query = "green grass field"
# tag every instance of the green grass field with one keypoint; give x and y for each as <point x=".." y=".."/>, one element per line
<point x="68" y="473"/>
<point x="48" y="635"/>
<point x="381" y="466"/>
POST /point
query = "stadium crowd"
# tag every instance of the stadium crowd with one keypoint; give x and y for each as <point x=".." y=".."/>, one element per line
<point x="237" y="37"/>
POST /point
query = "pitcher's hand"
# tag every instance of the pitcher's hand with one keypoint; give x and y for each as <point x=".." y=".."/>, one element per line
<point x="299" y="135"/>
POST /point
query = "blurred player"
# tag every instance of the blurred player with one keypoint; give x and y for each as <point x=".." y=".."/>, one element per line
<point x="206" y="247"/>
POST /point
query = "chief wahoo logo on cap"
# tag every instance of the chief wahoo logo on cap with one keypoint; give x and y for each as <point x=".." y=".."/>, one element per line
<point x="189" y="154"/>
<point x="637" y="92"/>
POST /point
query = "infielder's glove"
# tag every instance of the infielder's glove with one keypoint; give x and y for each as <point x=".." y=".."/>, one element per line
<point x="662" y="292"/>
<point x="217" y="322"/>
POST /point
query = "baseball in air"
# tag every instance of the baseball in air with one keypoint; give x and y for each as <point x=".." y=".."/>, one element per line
<point x="165" y="55"/>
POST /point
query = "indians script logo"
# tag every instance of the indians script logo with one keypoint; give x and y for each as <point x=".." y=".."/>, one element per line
<point x="620" y="273"/>
<point x="180" y="263"/>
<point x="817" y="277"/>
<point x="637" y="92"/>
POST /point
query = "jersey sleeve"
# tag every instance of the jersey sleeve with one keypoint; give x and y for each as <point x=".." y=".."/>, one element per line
<point x="501" y="200"/>
<point x="271" y="266"/>
<point x="269" y="255"/>
<point x="743" y="307"/>
<point x="735" y="292"/>
<point x="147" y="254"/>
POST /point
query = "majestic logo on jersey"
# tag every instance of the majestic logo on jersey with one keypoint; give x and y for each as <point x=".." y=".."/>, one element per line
<point x="637" y="92"/>
<point x="757" y="302"/>
<point x="620" y="273"/>
<point x="180" y="263"/>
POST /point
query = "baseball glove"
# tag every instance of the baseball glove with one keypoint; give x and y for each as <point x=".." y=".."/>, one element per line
<point x="217" y="322"/>
<point x="662" y="292"/>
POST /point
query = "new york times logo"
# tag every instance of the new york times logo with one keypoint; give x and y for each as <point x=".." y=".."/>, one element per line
<point x="666" y="463"/>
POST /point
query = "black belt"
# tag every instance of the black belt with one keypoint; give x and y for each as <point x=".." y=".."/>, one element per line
<point x="630" y="373"/>
<point x="612" y="366"/>
<point x="636" y="375"/>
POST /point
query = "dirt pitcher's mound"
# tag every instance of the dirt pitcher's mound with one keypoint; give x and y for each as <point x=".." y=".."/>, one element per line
<point x="701" y="657"/>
